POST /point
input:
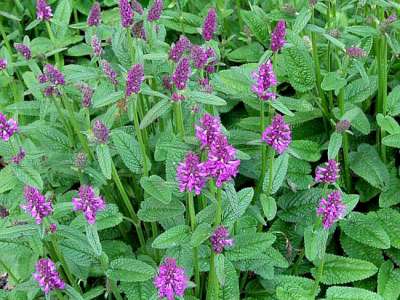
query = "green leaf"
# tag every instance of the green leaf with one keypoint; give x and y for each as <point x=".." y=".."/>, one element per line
<point x="388" y="281"/>
<point x="220" y="268"/>
<point x="235" y="204"/>
<point x="350" y="293"/>
<point x="8" y="180"/>
<point x="393" y="102"/>
<point x="247" y="53"/>
<point x="306" y="150"/>
<point x="139" y="290"/>
<point x="157" y="187"/>
<point x="294" y="288"/>
<point x="388" y="124"/>
<point x="268" y="205"/>
<point x="173" y="237"/>
<point x="249" y="246"/>
<point x="390" y="220"/>
<point x="129" y="270"/>
<point x="256" y="24"/>
<point x="230" y="290"/>
<point x="103" y="97"/>
<point x="77" y="73"/>
<point x="278" y="105"/>
<point x="280" y="167"/>
<point x="235" y="82"/>
<point x="206" y="98"/>
<point x="367" y="164"/>
<point x="335" y="143"/>
<point x="128" y="148"/>
<point x="301" y="20"/>
<point x="104" y="159"/>
<point x="12" y="233"/>
<point x="315" y="242"/>
<point x="340" y="270"/>
<point x="360" y="90"/>
<point x="159" y="109"/>
<point x="334" y="41"/>
<point x="332" y="81"/>
<point x="201" y="234"/>
<point x="61" y="18"/>
<point x="366" y="229"/>
<point x="72" y="293"/>
<point x="93" y="238"/>
<point x="392" y="140"/>
<point x="152" y="210"/>
<point x="299" y="68"/>
<point x="358" y="120"/>
<point x="107" y="218"/>
<point x="28" y="176"/>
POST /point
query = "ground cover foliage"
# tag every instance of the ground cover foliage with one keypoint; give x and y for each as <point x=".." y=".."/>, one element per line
<point x="202" y="149"/>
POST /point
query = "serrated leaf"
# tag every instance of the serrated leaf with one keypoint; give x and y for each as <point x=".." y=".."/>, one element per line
<point x="393" y="102"/>
<point x="350" y="293"/>
<point x="219" y="262"/>
<point x="332" y="81"/>
<point x="107" y="218"/>
<point x="230" y="290"/>
<point x="315" y="242"/>
<point x="268" y="205"/>
<point x="335" y="143"/>
<point x="301" y="20"/>
<point x="206" y="98"/>
<point x="306" y="150"/>
<point x="152" y="210"/>
<point x="128" y="148"/>
<point x="388" y="281"/>
<point x="173" y="237"/>
<point x="280" y="166"/>
<point x="390" y="221"/>
<point x="359" y="90"/>
<point x="129" y="270"/>
<point x="157" y="188"/>
<point x="247" y="246"/>
<point x="159" y="109"/>
<point x="392" y="140"/>
<point x="256" y="25"/>
<point x="104" y="158"/>
<point x="28" y="176"/>
<point x="201" y="234"/>
<point x="93" y="238"/>
<point x="388" y="124"/>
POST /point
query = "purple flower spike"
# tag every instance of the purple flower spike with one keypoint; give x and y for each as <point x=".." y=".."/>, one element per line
<point x="155" y="11"/>
<point x="331" y="209"/>
<point x="167" y="82"/>
<point x="278" y="134"/>
<point x="210" y="24"/>
<point x="53" y="75"/>
<point x="356" y="52"/>
<point x="209" y="129"/>
<point x="134" y="80"/>
<point x="137" y="7"/>
<point x="328" y="173"/>
<point x="109" y="71"/>
<point x="7" y="127"/>
<point x="96" y="46"/>
<point x="179" y="48"/>
<point x="17" y="159"/>
<point x="47" y="276"/>
<point x="181" y="74"/>
<point x="87" y="94"/>
<point x="23" y="50"/>
<point x="176" y="97"/>
<point x="88" y="203"/>
<point x="138" y="30"/>
<point x="278" y="36"/>
<point x="100" y="132"/>
<point x="220" y="239"/>
<point x="126" y="13"/>
<point x="36" y="204"/>
<point x="43" y="11"/>
<point x="171" y="280"/>
<point x="3" y="64"/>
<point x="221" y="163"/>
<point x="80" y="160"/>
<point x="188" y="174"/>
<point x="94" y="18"/>
<point x="265" y="79"/>
<point x="199" y="56"/>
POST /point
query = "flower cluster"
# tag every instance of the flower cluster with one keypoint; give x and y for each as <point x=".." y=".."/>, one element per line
<point x="278" y="36"/>
<point x="342" y="126"/>
<point x="278" y="135"/>
<point x="179" y="48"/>
<point x="189" y="174"/>
<point x="87" y="94"/>
<point x="199" y="56"/>
<point x="182" y="73"/>
<point x="210" y="24"/>
<point x="109" y="71"/>
<point x="126" y="13"/>
<point x="19" y="157"/>
<point x="47" y="276"/>
<point x="96" y="46"/>
<point x="23" y="50"/>
<point x="36" y="204"/>
<point x="43" y="11"/>
<point x="3" y="64"/>
<point x="88" y="203"/>
<point x="138" y="30"/>
<point x="100" y="132"/>
<point x="331" y="209"/>
<point x="171" y="280"/>
<point x="7" y="127"/>
<point x="356" y="52"/>
<point x="94" y="18"/>
<point x="265" y="80"/>
<point x="80" y="160"/>
<point x="134" y="80"/>
<point x="208" y="130"/>
<point x="137" y="7"/>
<point x="328" y="173"/>
<point x="53" y="78"/>
<point x="220" y="239"/>
<point x="155" y="10"/>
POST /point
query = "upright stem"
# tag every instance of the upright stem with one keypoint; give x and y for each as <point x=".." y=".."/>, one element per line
<point x="139" y="136"/>
<point x="263" y="150"/>
<point x="192" y="214"/>
<point x="53" y="40"/>
<point x="320" y="271"/>
<point x="179" y="119"/>
<point x="345" y="145"/>
<point x="65" y="123"/>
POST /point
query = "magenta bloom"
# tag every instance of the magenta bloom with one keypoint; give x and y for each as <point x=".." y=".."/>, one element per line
<point x="23" y="50"/>
<point x="210" y="24"/>
<point x="7" y="127"/>
<point x="138" y="30"/>
<point x="211" y="60"/>
<point x="176" y="97"/>
<point x="88" y="203"/>
<point x="155" y="11"/>
<point x="136" y="6"/>
<point x="328" y="173"/>
<point x="53" y="75"/>
<point x="278" y="36"/>
<point x="100" y="132"/>
<point x="126" y="13"/>
<point x="43" y="10"/>
<point x="17" y="159"/>
<point x="94" y="18"/>
<point x="220" y="239"/>
<point x="3" y="64"/>
<point x="209" y="129"/>
<point x="265" y="80"/>
<point x="109" y="71"/>
<point x="87" y="94"/>
<point x="179" y="48"/>
<point x="96" y="46"/>
<point x="53" y="227"/>
<point x="80" y="160"/>
<point x="331" y="209"/>
<point x="205" y="85"/>
<point x="188" y="174"/>
<point x="134" y="80"/>
<point x="342" y="126"/>
<point x="199" y="56"/>
<point x="221" y="164"/>
<point x="171" y="280"/>
<point x="167" y="82"/>
<point x="356" y="52"/>
<point x="278" y="134"/>
<point x="47" y="276"/>
<point x="36" y="204"/>
<point x="182" y="73"/>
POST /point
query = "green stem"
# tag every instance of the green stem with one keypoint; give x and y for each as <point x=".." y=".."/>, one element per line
<point x="192" y="214"/>
<point x="5" y="38"/>
<point x="53" y="40"/>
<point x="320" y="271"/>
<point x="263" y="149"/>
<point x="271" y="170"/>
<point x="179" y="119"/>
<point x="8" y="271"/>
<point x="346" y="146"/>
<point x="64" y="121"/>
<point x="139" y="136"/>
<point x="131" y="46"/>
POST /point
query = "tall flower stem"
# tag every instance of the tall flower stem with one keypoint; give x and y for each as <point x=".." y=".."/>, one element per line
<point x="271" y="155"/>
<point x="346" y="146"/>
<point x="263" y="150"/>
<point x="139" y="136"/>
<point x="179" y="119"/>
<point x="192" y="214"/>
<point x="53" y="41"/>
